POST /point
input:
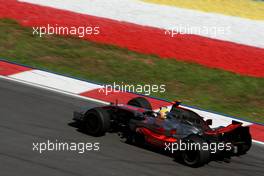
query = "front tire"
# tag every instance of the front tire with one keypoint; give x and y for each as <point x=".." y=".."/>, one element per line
<point x="140" y="102"/>
<point x="97" y="122"/>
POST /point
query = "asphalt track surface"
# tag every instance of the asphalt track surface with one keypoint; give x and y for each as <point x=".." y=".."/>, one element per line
<point x="34" y="115"/>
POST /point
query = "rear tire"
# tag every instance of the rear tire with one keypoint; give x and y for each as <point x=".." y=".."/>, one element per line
<point x="140" y="102"/>
<point x="195" y="158"/>
<point x="97" y="122"/>
<point x="243" y="148"/>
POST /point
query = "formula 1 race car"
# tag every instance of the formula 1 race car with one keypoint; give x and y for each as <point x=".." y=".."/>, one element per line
<point x="137" y="123"/>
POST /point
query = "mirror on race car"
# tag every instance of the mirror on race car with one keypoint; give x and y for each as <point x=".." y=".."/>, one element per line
<point x="176" y="102"/>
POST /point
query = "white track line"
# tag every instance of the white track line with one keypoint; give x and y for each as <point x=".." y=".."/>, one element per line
<point x="258" y="142"/>
<point x="55" y="90"/>
<point x="56" y="81"/>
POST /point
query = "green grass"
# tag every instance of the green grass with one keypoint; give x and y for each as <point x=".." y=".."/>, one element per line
<point x="195" y="85"/>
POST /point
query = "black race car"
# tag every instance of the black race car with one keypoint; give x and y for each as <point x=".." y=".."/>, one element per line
<point x="139" y="124"/>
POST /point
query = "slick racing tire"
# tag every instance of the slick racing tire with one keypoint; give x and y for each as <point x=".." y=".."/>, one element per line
<point x="243" y="148"/>
<point x="140" y="102"/>
<point x="195" y="157"/>
<point x="97" y="122"/>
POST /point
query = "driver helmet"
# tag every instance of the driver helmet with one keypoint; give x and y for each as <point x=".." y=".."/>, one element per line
<point x="163" y="112"/>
